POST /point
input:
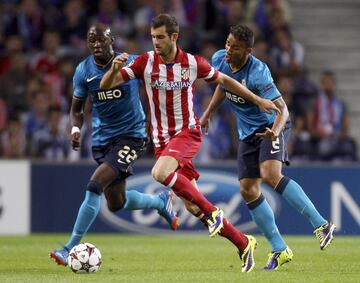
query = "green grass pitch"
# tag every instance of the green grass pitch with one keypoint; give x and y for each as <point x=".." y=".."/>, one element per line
<point x="178" y="258"/>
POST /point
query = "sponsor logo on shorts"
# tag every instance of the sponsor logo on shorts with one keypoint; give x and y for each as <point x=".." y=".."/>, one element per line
<point x="275" y="145"/>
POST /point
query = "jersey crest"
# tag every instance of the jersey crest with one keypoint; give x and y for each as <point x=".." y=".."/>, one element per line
<point x="185" y="74"/>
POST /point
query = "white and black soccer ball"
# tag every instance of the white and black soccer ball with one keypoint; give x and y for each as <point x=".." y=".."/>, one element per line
<point x="84" y="257"/>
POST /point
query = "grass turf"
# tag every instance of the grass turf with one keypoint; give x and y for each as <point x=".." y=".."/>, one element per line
<point x="179" y="258"/>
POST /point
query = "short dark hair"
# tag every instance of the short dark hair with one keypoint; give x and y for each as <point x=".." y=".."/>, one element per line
<point x="243" y="33"/>
<point x="170" y="23"/>
<point x="100" y="27"/>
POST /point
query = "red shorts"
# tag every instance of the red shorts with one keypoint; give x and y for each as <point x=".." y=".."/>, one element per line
<point x="183" y="147"/>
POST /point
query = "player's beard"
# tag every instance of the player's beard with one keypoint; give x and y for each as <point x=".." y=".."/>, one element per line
<point x="163" y="51"/>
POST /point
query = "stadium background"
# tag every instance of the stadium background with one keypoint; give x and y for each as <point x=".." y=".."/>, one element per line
<point x="42" y="180"/>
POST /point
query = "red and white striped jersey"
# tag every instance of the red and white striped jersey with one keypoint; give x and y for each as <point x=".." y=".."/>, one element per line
<point x="170" y="90"/>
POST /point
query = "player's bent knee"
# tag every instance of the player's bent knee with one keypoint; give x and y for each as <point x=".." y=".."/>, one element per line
<point x="94" y="187"/>
<point x="115" y="197"/>
<point x="159" y="175"/>
<point x="153" y="174"/>
<point x="271" y="179"/>
<point x="115" y="206"/>
<point x="112" y="208"/>
<point x="250" y="193"/>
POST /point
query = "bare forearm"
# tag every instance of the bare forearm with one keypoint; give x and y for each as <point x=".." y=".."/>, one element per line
<point x="238" y="89"/>
<point x="216" y="100"/>
<point x="76" y="119"/>
<point x="280" y="122"/>
<point x="281" y="118"/>
<point x="113" y="76"/>
<point x="109" y="79"/>
<point x="76" y="112"/>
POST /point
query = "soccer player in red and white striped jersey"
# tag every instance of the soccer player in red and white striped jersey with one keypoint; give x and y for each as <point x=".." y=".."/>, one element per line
<point x="168" y="74"/>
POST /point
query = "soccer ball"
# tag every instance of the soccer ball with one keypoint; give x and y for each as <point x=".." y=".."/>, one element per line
<point x="84" y="257"/>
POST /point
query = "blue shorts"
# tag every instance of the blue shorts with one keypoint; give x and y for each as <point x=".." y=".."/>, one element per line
<point x="120" y="154"/>
<point x="254" y="150"/>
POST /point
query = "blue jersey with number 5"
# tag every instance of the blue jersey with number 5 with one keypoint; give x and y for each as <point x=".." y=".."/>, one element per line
<point x="256" y="76"/>
<point x="116" y="112"/>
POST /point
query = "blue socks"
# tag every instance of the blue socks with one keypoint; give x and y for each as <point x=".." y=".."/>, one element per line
<point x="136" y="200"/>
<point x="88" y="211"/>
<point x="90" y="207"/>
<point x="294" y="194"/>
<point x="263" y="216"/>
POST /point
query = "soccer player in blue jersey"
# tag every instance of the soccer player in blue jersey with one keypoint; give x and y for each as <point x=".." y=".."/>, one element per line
<point x="262" y="146"/>
<point x="118" y="139"/>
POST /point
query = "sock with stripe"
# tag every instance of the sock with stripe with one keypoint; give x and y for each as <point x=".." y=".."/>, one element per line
<point x="295" y="195"/>
<point x="263" y="216"/>
<point x="182" y="187"/>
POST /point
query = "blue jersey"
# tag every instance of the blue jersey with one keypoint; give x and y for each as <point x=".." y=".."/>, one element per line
<point x="256" y="76"/>
<point x="117" y="111"/>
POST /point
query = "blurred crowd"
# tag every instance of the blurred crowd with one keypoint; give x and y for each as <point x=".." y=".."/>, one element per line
<point x="42" y="41"/>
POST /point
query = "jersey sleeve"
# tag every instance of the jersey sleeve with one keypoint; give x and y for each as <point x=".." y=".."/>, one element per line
<point x="135" y="68"/>
<point x="216" y="58"/>
<point x="131" y="58"/>
<point x="265" y="84"/>
<point x="79" y="83"/>
<point x="205" y="70"/>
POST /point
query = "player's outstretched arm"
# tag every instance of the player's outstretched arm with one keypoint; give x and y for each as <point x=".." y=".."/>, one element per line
<point x="113" y="77"/>
<point x="238" y="89"/>
<point x="76" y="120"/>
<point x="215" y="101"/>
<point x="279" y="123"/>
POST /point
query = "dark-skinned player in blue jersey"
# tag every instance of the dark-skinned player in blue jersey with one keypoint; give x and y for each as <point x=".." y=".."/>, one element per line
<point x="262" y="148"/>
<point x="118" y="139"/>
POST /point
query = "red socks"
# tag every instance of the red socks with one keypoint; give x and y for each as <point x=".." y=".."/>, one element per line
<point x="235" y="236"/>
<point x="182" y="187"/>
<point x="231" y="233"/>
